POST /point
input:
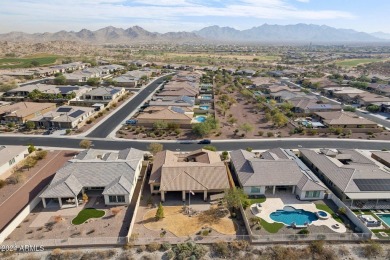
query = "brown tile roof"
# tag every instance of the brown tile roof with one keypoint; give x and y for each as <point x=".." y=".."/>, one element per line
<point x="23" y="109"/>
<point x="198" y="170"/>
<point x="343" y="118"/>
<point x="165" y="113"/>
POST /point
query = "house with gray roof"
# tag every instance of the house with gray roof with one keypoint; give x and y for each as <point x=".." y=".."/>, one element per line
<point x="113" y="174"/>
<point x="200" y="171"/>
<point x="276" y="170"/>
<point x="359" y="181"/>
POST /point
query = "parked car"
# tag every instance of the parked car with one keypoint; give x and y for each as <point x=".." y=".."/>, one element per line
<point x="131" y="122"/>
<point x="204" y="141"/>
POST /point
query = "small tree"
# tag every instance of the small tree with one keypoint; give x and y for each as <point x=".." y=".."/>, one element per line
<point x="31" y="148"/>
<point x="30" y="125"/>
<point x="85" y="144"/>
<point x="60" y="80"/>
<point x="85" y="198"/>
<point x="246" y="128"/>
<point x="154" y="148"/>
<point x="234" y="197"/>
<point x="159" y="212"/>
<point x="225" y="155"/>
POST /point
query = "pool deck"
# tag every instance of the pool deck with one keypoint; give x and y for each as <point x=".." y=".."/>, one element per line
<point x="273" y="204"/>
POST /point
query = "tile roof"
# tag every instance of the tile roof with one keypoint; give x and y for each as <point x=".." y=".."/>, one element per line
<point x="165" y="113"/>
<point x="275" y="167"/>
<point x="342" y="174"/>
<point x="86" y="170"/>
<point x="343" y="118"/>
<point x="23" y="109"/>
<point x="198" y="170"/>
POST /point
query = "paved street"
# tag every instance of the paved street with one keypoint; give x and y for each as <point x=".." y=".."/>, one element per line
<point x="221" y="145"/>
<point x="121" y="114"/>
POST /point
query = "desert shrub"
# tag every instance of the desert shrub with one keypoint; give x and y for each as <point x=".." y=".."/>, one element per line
<point x="68" y="131"/>
<point x="372" y="250"/>
<point x="304" y="231"/>
<point x="166" y="246"/>
<point x="205" y="232"/>
<point x="189" y="249"/>
<point x="317" y="247"/>
<point x="261" y="133"/>
<point x="2" y="183"/>
<point x="141" y="248"/>
<point x="127" y="255"/>
<point x="98" y="255"/>
<point x="221" y="249"/>
<point x="343" y="251"/>
<point x="153" y="247"/>
<point x="115" y="211"/>
<point x="40" y="155"/>
<point x="270" y="134"/>
<point x="239" y="245"/>
<point x="170" y="254"/>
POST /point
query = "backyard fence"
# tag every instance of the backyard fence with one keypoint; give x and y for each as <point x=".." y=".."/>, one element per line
<point x="69" y="242"/>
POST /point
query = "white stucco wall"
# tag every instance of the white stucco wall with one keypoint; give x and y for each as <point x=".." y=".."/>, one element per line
<point x="5" y="167"/>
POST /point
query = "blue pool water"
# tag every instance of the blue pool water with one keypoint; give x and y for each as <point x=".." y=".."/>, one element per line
<point x="385" y="218"/>
<point x="200" y="119"/>
<point x="322" y="213"/>
<point x="206" y="97"/>
<point x="297" y="216"/>
<point x="204" y="107"/>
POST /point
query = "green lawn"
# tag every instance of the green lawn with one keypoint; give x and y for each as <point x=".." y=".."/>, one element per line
<point x="356" y="62"/>
<point x="259" y="200"/>
<point x="86" y="214"/>
<point x="376" y="232"/>
<point x="271" y="227"/>
<point x="27" y="62"/>
<point x="324" y="207"/>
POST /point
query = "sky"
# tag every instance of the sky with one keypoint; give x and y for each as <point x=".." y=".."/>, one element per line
<point x="187" y="15"/>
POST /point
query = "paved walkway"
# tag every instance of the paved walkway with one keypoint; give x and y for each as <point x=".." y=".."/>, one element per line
<point x="280" y="200"/>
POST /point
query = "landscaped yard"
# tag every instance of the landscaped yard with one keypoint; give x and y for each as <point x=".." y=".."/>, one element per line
<point x="183" y="225"/>
<point x="271" y="227"/>
<point x="258" y="200"/>
<point x="355" y="62"/>
<point x="86" y="214"/>
<point x="324" y="207"/>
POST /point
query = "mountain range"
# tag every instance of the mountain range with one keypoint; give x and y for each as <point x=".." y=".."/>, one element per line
<point x="298" y="33"/>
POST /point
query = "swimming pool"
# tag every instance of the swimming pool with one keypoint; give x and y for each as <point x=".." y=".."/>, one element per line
<point x="206" y="97"/>
<point x="204" y="107"/>
<point x="385" y="218"/>
<point x="289" y="215"/>
<point x="200" y="119"/>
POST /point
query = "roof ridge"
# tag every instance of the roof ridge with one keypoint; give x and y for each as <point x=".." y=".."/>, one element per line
<point x="195" y="179"/>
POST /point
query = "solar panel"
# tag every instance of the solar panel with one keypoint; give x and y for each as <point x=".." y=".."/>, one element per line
<point x="66" y="90"/>
<point x="373" y="184"/>
<point x="76" y="113"/>
<point x="178" y="110"/>
<point x="64" y="109"/>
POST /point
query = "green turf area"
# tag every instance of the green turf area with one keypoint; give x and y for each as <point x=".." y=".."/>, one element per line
<point x="330" y="211"/>
<point x="11" y="63"/>
<point x="271" y="227"/>
<point x="355" y="62"/>
<point x="259" y="200"/>
<point x="376" y="232"/>
<point x="86" y="214"/>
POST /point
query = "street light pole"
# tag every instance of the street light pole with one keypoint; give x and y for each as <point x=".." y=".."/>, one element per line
<point x="189" y="203"/>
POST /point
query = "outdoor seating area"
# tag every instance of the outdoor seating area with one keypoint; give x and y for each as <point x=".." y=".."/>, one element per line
<point x="370" y="221"/>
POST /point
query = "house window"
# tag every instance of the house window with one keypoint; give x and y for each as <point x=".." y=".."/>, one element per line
<point x="255" y="189"/>
<point x="312" y="194"/>
<point x="156" y="187"/>
<point x="116" y="199"/>
<point x="112" y="199"/>
<point x="12" y="161"/>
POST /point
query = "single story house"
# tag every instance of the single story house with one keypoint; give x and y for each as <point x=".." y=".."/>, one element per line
<point x="10" y="156"/>
<point x="126" y="81"/>
<point x="65" y="117"/>
<point x="178" y="101"/>
<point x="103" y="95"/>
<point x="381" y="89"/>
<point x="178" y="115"/>
<point x="275" y="170"/>
<point x="24" y="111"/>
<point x="309" y="106"/>
<point x="114" y="174"/>
<point x="344" y="120"/>
<point x="64" y="91"/>
<point x="353" y="177"/>
<point x="200" y="171"/>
